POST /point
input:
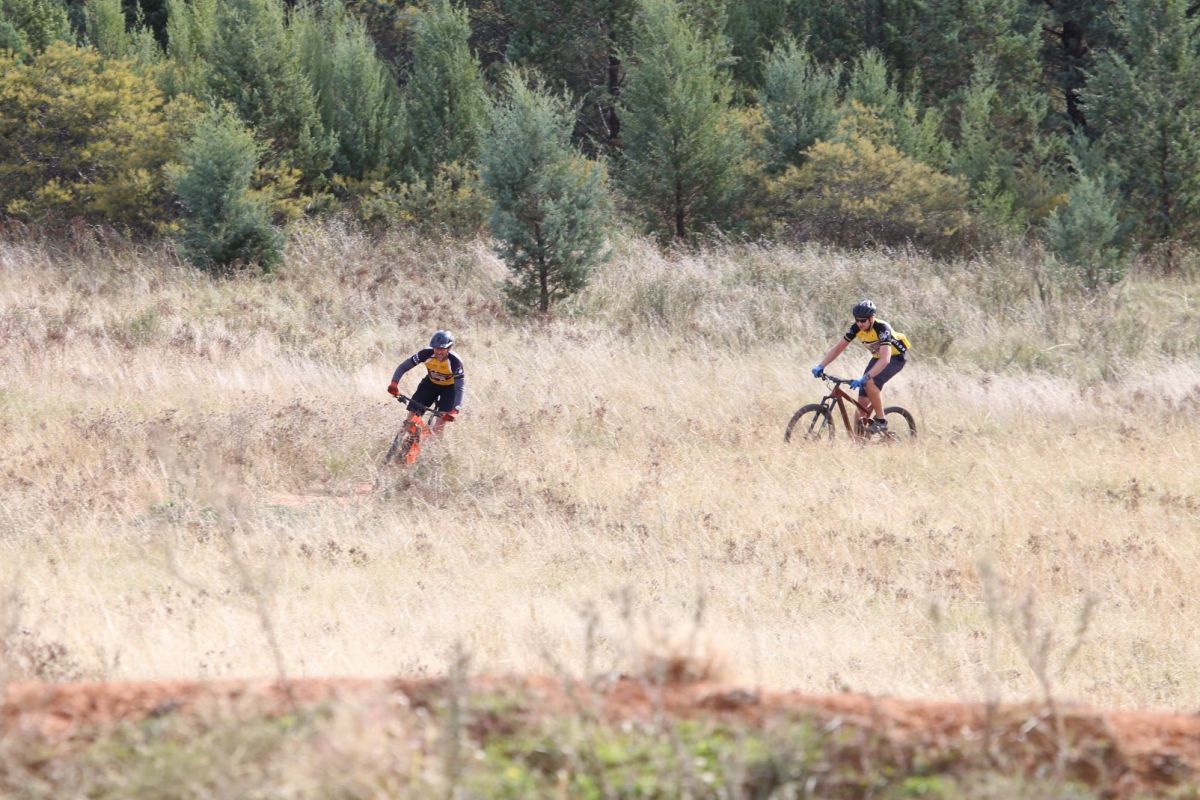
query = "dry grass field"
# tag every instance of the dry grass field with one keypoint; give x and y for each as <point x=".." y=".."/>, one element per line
<point x="189" y="483"/>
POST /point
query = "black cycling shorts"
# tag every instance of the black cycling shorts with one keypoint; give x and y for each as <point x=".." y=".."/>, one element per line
<point x="889" y="372"/>
<point x="430" y="395"/>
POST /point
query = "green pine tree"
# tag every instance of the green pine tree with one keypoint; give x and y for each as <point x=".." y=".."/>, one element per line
<point x="254" y="64"/>
<point x="445" y="101"/>
<point x="550" y="203"/>
<point x="682" y="147"/>
<point x="224" y="224"/>
<point x="357" y="96"/>
<point x="1076" y="32"/>
<point x="755" y="28"/>
<point x="34" y="24"/>
<point x="838" y="33"/>
<point x="915" y="132"/>
<point x="577" y="44"/>
<point x="1144" y="103"/>
<point x="800" y="102"/>
<point x="1084" y="234"/>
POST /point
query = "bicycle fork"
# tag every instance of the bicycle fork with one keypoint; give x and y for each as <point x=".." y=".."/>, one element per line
<point x="415" y="430"/>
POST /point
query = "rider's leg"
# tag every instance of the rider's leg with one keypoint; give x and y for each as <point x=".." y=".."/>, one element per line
<point x="874" y="388"/>
<point x="876" y="398"/>
<point x="445" y="402"/>
<point x="424" y="397"/>
<point x="864" y="413"/>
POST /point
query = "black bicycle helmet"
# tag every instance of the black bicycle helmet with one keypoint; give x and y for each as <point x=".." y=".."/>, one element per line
<point x="864" y="309"/>
<point x="442" y="339"/>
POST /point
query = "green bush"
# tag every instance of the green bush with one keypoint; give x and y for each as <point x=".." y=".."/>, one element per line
<point x="225" y="224"/>
<point x="82" y="136"/>
<point x="11" y="39"/>
<point x="452" y="202"/>
<point x="356" y="94"/>
<point x="34" y="24"/>
<point x="253" y="63"/>
<point x="1084" y="234"/>
<point x="856" y="191"/>
<point x="445" y="98"/>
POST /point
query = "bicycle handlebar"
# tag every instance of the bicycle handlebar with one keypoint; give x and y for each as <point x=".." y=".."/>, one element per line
<point x="404" y="399"/>
<point x="825" y="376"/>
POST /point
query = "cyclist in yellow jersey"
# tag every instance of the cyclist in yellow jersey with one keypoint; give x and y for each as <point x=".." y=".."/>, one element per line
<point x="888" y="352"/>
<point x="443" y="385"/>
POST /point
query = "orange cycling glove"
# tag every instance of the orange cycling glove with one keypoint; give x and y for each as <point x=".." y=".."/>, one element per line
<point x="393" y="389"/>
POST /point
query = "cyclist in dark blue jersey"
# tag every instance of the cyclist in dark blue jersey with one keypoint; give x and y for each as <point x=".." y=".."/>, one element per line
<point x="443" y="385"/>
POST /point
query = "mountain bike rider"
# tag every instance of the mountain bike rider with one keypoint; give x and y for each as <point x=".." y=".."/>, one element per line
<point x="443" y="385"/>
<point x="888" y="350"/>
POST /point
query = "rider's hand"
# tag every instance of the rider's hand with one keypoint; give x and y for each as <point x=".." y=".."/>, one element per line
<point x="393" y="389"/>
<point x="818" y="371"/>
<point x="450" y="415"/>
<point x="859" y="383"/>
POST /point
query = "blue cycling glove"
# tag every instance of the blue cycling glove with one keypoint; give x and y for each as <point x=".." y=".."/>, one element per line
<point x="818" y="371"/>
<point x="858" y="383"/>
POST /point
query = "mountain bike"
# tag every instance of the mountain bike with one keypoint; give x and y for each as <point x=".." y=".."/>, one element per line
<point x="406" y="446"/>
<point x="815" y="421"/>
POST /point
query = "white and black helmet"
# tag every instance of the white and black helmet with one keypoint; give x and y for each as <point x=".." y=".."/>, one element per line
<point x="442" y="339"/>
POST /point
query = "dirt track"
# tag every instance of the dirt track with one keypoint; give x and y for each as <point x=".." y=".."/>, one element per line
<point x="1121" y="753"/>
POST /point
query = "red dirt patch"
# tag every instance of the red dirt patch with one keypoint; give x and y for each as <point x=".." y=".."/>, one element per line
<point x="1121" y="752"/>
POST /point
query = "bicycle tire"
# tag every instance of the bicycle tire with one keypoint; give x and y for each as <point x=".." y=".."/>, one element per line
<point x="901" y="424"/>
<point x="818" y="425"/>
<point x="410" y="449"/>
<point x="401" y="444"/>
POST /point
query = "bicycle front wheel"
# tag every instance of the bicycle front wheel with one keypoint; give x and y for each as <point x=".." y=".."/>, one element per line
<point x="401" y="444"/>
<point x="812" y="423"/>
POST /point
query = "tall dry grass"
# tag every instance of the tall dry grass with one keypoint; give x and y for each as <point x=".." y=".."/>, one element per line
<point x="186" y="468"/>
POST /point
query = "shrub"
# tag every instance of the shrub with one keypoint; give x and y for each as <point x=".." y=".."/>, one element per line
<point x="253" y="63"/>
<point x="11" y="39"/>
<point x="452" y="202"/>
<point x="1084" y="234"/>
<point x="857" y="191"/>
<point x="225" y="224"/>
<point x="356" y="94"/>
<point x="82" y="136"/>
<point x="445" y="100"/>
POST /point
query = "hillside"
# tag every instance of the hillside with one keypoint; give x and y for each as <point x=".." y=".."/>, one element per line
<point x="618" y="735"/>
<point x="189" y="485"/>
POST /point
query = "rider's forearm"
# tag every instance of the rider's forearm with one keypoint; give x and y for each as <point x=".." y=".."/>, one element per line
<point x="833" y="353"/>
<point x="404" y="367"/>
<point x="879" y="366"/>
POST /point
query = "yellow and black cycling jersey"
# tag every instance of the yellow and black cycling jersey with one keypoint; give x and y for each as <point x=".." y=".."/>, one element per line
<point x="446" y="371"/>
<point x="876" y="336"/>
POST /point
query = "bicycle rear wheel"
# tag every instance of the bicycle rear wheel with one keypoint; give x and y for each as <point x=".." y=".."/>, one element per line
<point x="901" y="425"/>
<point x="812" y="423"/>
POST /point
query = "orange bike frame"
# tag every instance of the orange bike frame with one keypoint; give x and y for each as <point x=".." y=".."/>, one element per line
<point x="416" y="429"/>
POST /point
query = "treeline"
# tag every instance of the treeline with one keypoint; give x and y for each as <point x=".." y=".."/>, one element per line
<point x="944" y="124"/>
